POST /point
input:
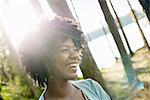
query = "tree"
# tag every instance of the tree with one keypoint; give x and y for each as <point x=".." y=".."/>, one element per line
<point x="120" y="25"/>
<point x="36" y="7"/>
<point x="131" y="75"/>
<point x="14" y="57"/>
<point x="141" y="31"/>
<point x="145" y="5"/>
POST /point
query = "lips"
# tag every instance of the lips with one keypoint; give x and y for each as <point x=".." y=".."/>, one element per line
<point x="72" y="64"/>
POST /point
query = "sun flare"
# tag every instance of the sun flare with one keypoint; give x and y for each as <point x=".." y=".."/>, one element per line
<point x="18" y="17"/>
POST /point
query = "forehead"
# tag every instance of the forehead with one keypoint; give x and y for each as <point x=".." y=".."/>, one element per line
<point x="68" y="43"/>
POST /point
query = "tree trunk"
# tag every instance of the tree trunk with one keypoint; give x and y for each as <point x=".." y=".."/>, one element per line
<point x="121" y="27"/>
<point x="36" y="7"/>
<point x="89" y="67"/>
<point x="146" y="7"/>
<point x="61" y="8"/>
<point x="141" y="31"/>
<point x="113" y="28"/>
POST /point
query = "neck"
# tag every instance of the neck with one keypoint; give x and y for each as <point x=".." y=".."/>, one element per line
<point x="58" y="88"/>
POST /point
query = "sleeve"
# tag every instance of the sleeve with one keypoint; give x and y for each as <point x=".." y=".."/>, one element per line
<point x="41" y="97"/>
<point x="100" y="92"/>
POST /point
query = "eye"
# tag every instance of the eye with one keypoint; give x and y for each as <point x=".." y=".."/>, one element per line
<point x="75" y="49"/>
<point x="64" y="50"/>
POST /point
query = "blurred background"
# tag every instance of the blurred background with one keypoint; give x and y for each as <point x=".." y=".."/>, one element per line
<point x="117" y="55"/>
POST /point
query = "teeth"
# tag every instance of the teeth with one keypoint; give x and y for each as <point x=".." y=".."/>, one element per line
<point x="74" y="68"/>
<point x="73" y="65"/>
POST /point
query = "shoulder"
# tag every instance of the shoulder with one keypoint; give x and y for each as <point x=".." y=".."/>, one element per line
<point x="89" y="83"/>
<point x="83" y="82"/>
<point x="86" y="84"/>
<point x="42" y="96"/>
<point x="93" y="87"/>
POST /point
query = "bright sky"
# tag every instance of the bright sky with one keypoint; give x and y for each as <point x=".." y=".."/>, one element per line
<point x="122" y="7"/>
<point x="89" y="12"/>
<point x="91" y="18"/>
<point x="18" y="17"/>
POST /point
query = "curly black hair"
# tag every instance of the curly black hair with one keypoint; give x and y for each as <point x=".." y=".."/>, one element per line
<point x="36" y="48"/>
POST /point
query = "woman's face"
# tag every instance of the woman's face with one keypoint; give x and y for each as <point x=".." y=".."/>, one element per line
<point x="67" y="58"/>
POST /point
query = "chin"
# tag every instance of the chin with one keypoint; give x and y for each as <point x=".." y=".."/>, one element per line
<point x="72" y="77"/>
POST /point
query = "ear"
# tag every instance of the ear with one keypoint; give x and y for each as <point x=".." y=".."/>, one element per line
<point x="81" y="52"/>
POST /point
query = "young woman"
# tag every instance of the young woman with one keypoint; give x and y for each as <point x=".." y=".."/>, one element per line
<point x="51" y="55"/>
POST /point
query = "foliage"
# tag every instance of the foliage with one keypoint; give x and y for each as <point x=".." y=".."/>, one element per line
<point x="13" y="84"/>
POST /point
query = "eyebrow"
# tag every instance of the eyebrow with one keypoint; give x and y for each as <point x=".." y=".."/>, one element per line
<point x="67" y="46"/>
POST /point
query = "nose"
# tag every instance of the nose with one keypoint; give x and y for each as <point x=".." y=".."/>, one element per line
<point x="75" y="55"/>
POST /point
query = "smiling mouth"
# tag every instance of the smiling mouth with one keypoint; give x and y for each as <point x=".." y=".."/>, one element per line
<point x="72" y="66"/>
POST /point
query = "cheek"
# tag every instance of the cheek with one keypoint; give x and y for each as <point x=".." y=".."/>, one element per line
<point x="61" y="60"/>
